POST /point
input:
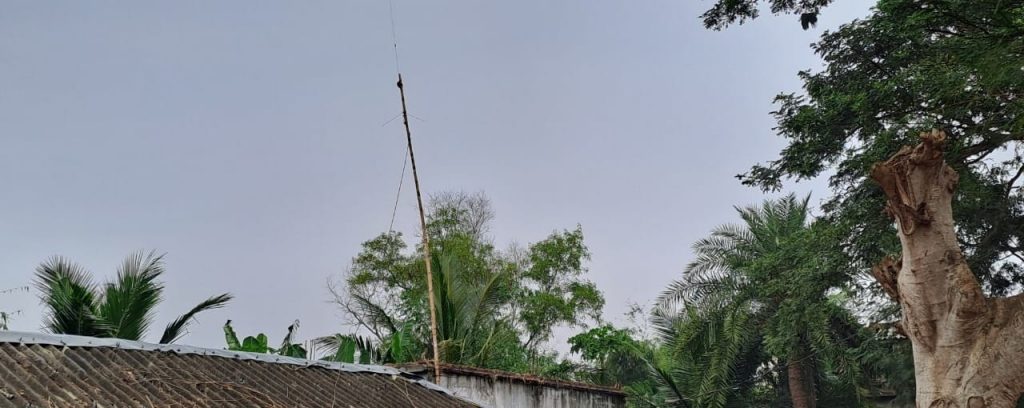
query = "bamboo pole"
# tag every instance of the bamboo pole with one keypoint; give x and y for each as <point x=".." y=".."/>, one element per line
<point x="426" y="237"/>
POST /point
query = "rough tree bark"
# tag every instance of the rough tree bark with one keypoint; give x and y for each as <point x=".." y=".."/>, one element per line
<point x="968" y="349"/>
<point x="801" y="383"/>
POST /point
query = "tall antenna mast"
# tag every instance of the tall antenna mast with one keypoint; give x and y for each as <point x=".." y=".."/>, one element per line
<point x="426" y="237"/>
<point x="419" y="202"/>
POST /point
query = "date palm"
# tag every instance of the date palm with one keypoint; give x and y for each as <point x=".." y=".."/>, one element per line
<point x="760" y="290"/>
<point x="122" y="308"/>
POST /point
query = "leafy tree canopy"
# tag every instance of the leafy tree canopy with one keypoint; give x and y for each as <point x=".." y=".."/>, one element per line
<point x="727" y="12"/>
<point x="913" y="65"/>
<point x="613" y="357"/>
<point x="495" y="308"/>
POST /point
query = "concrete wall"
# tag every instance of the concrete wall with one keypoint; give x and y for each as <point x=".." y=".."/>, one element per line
<point x="502" y="393"/>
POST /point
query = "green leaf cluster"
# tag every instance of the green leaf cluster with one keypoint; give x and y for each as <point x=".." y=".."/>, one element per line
<point x="728" y="12"/>
<point x="756" y="302"/>
<point x="495" y="309"/>
<point x="260" y="344"/>
<point x="122" y="308"/>
<point x="357" y="349"/>
<point x="911" y="66"/>
<point x="612" y="357"/>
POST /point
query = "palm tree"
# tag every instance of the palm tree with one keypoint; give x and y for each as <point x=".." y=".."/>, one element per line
<point x="754" y="301"/>
<point x="703" y="361"/>
<point x="122" y="308"/>
<point x="467" y="304"/>
<point x="468" y="301"/>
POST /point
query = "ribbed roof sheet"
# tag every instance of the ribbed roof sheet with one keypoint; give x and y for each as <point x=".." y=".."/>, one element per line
<point x="71" y="371"/>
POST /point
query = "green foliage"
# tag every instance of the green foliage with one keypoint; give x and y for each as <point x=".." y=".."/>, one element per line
<point x="71" y="299"/>
<point x="888" y="359"/>
<point x="754" y="299"/>
<point x="260" y="343"/>
<point x="495" y="309"/>
<point x="122" y="308"/>
<point x="552" y="293"/>
<point x="288" y="347"/>
<point x="344" y="348"/>
<point x="728" y="12"/>
<point x="597" y="343"/>
<point x="706" y="359"/>
<point x="613" y="357"/>
<point x="352" y="348"/>
<point x="467" y="304"/>
<point x="911" y="66"/>
<point x="400" y="348"/>
<point x="176" y="328"/>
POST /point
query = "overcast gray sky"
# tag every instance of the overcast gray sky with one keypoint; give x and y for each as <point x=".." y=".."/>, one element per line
<point x="244" y="138"/>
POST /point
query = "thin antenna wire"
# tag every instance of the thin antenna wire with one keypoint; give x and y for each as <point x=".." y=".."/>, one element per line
<point x="391" y="120"/>
<point x="394" y="35"/>
<point x="394" y="211"/>
<point x="405" y="155"/>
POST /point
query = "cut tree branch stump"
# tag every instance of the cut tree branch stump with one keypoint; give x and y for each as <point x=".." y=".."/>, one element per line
<point x="968" y="349"/>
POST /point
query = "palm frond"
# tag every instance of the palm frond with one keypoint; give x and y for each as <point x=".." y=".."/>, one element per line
<point x="344" y="348"/>
<point x="448" y="306"/>
<point x="128" y="302"/>
<point x="714" y="256"/>
<point x="488" y="299"/>
<point x="176" y="329"/>
<point x="457" y="300"/>
<point x="709" y="295"/>
<point x="707" y="352"/>
<point x="69" y="297"/>
<point x="401" y="347"/>
<point x="662" y="371"/>
<point x="729" y="337"/>
<point x="665" y="324"/>
<point x="375" y="315"/>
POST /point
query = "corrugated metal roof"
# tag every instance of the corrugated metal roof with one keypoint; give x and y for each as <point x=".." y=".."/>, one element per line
<point x="73" y="371"/>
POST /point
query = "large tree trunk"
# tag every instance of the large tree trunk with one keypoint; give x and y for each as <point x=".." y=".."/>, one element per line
<point x="801" y="383"/>
<point x="968" y="349"/>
